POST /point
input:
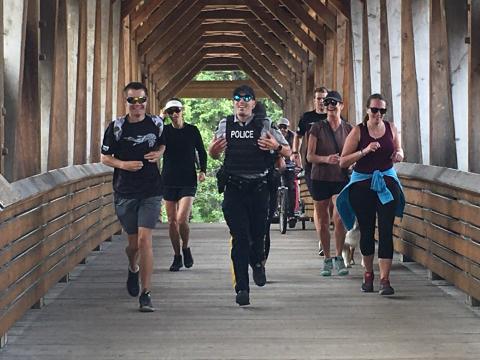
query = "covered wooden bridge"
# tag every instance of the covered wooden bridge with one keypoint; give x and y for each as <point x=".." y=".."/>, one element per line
<point x="63" y="67"/>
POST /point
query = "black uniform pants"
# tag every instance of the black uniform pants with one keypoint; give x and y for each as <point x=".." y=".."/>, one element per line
<point x="245" y="208"/>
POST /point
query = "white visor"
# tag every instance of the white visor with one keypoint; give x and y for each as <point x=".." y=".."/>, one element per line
<point x="173" y="103"/>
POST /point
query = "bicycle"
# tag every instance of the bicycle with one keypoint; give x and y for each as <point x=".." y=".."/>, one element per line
<point x="282" y="212"/>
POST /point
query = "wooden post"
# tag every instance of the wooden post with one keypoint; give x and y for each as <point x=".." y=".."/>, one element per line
<point x="410" y="113"/>
<point x="58" y="134"/>
<point x="474" y="87"/>
<point x="109" y="75"/>
<point x="96" y="87"/>
<point x="27" y="154"/>
<point x="366" y="83"/>
<point x="443" y="150"/>
<point x="385" y="70"/>
<point x="80" y="138"/>
<point x="2" y="107"/>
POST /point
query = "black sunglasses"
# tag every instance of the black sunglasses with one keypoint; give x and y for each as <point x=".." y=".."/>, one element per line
<point x="171" y="111"/>
<point x="136" y="99"/>
<point x="332" y="102"/>
<point x="282" y="126"/>
<point x="375" y="110"/>
<point x="238" y="97"/>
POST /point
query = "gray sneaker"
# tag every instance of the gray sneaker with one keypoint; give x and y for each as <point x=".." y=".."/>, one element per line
<point x="327" y="267"/>
<point x="340" y="266"/>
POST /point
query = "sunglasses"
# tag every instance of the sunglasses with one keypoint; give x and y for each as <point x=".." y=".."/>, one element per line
<point x="284" y="127"/>
<point x="332" y="102"/>
<point x="136" y="100"/>
<point x="375" y="110"/>
<point x="246" y="98"/>
<point x="173" y="110"/>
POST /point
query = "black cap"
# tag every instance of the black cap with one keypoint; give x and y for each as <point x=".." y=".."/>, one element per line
<point x="334" y="95"/>
<point x="245" y="89"/>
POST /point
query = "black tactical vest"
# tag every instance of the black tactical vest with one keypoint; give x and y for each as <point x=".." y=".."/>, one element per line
<point x="243" y="156"/>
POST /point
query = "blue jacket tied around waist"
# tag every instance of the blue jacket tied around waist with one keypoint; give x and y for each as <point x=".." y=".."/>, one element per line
<point x="378" y="185"/>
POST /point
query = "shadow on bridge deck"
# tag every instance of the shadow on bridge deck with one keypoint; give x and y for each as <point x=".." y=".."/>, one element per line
<point x="297" y="315"/>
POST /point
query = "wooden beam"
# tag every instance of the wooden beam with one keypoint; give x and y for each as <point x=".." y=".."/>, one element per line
<point x="474" y="88"/>
<point x="58" y="134"/>
<point x="410" y="109"/>
<point x="264" y="16"/>
<point x="385" y="70"/>
<point x="312" y="24"/>
<point x="128" y="7"/>
<point x="109" y="71"/>
<point x="221" y="68"/>
<point x="343" y="6"/>
<point x="27" y="125"/>
<point x="226" y="14"/>
<point x="265" y="62"/>
<point x="188" y="10"/>
<point x="323" y="13"/>
<point x="217" y="89"/>
<point x="96" y="119"/>
<point x="143" y="13"/>
<point x="366" y="81"/>
<point x="80" y="138"/>
<point x="2" y="93"/>
<point x="281" y="14"/>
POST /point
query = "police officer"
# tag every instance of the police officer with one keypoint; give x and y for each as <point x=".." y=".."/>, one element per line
<point x="248" y="141"/>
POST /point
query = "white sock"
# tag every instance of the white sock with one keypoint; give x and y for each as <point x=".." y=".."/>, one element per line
<point x="137" y="268"/>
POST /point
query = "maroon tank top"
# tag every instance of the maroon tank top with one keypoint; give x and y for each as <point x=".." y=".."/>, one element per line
<point x="380" y="159"/>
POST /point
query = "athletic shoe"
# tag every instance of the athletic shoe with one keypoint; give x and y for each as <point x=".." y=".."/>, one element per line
<point x="187" y="258"/>
<point x="133" y="287"/>
<point x="385" y="288"/>
<point x="177" y="263"/>
<point x="340" y="266"/>
<point x="367" y="285"/>
<point x="146" y="302"/>
<point x="259" y="276"/>
<point x="327" y="267"/>
<point x="243" y="298"/>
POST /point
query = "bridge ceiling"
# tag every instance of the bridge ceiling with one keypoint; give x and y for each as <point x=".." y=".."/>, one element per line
<point x="270" y="40"/>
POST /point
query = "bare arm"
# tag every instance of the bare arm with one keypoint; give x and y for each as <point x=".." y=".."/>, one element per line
<point x="111" y="161"/>
<point x="350" y="154"/>
<point x="317" y="159"/>
<point x="397" y="155"/>
<point x="217" y="147"/>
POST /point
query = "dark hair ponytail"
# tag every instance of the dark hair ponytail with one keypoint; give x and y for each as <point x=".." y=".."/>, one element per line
<point x="375" y="96"/>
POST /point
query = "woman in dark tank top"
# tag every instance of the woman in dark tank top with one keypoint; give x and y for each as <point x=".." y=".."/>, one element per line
<point x="374" y="190"/>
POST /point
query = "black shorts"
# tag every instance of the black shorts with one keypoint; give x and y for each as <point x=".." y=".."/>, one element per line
<point x="176" y="193"/>
<point x="322" y="190"/>
<point x="308" y="179"/>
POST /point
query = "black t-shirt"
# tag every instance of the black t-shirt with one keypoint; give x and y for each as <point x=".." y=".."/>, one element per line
<point x="130" y="142"/>
<point x="179" y="159"/>
<point x="307" y="120"/>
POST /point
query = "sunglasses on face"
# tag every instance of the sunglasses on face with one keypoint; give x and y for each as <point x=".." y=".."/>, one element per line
<point x="330" y="102"/>
<point x="284" y="127"/>
<point x="375" y="110"/>
<point x="173" y="110"/>
<point x="245" y="98"/>
<point x="136" y="100"/>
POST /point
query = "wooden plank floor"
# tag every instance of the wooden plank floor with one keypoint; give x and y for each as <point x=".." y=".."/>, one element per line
<point x="297" y="315"/>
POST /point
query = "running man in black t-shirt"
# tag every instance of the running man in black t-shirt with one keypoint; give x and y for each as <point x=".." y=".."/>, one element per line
<point x="179" y="174"/>
<point x="132" y="145"/>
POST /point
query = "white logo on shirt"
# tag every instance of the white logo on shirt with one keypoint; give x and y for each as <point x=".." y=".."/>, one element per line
<point x="140" y="139"/>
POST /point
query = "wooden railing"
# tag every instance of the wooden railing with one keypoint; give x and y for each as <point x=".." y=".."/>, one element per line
<point x="54" y="220"/>
<point x="441" y="225"/>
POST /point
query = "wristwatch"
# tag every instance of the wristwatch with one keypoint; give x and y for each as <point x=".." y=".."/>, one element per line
<point x="279" y="148"/>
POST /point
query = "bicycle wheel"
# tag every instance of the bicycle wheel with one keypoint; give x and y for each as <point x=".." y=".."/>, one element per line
<point x="282" y="209"/>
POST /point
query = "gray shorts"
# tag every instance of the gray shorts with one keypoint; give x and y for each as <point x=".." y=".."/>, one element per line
<point x="135" y="213"/>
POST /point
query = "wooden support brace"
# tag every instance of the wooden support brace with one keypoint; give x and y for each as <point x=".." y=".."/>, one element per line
<point x="65" y="278"/>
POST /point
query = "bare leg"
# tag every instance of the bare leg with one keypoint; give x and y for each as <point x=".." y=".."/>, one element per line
<point x="339" y="230"/>
<point x="132" y="251"/>
<point x="323" y="220"/>
<point x="183" y="212"/>
<point x="146" y="256"/>
<point x="173" y="230"/>
<point x="368" y="263"/>
<point x="385" y="266"/>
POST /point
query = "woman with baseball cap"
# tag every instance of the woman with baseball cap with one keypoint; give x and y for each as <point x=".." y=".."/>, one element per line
<point x="179" y="174"/>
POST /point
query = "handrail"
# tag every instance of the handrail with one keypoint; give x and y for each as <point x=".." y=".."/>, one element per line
<point x="49" y="224"/>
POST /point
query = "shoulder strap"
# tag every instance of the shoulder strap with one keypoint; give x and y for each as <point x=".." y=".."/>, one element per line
<point x="332" y="135"/>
